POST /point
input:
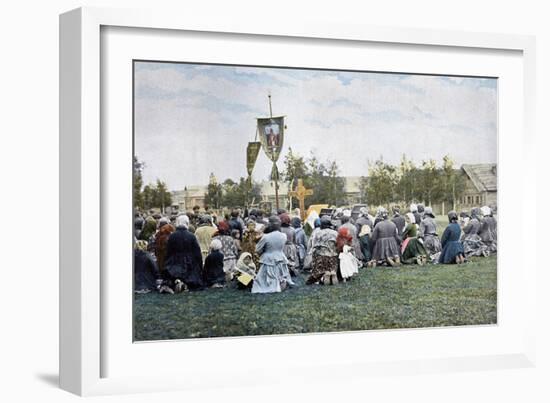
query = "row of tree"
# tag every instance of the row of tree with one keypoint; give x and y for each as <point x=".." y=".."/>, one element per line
<point x="150" y="196"/>
<point x="230" y="193"/>
<point x="406" y="183"/>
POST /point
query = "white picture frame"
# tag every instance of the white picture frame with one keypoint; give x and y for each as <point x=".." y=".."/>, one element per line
<point x="83" y="159"/>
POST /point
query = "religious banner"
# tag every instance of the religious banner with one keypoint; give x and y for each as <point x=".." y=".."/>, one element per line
<point x="271" y="133"/>
<point x="252" y="151"/>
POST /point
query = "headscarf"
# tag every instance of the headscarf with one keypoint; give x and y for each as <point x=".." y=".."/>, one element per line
<point x="452" y="216"/>
<point x="346" y="213"/>
<point x="182" y="221"/>
<point x="486" y="211"/>
<point x="411" y="218"/>
<point x="420" y="208"/>
<point x="205" y="219"/>
<point x="365" y="230"/>
<point x="163" y="221"/>
<point x="413" y="208"/>
<point x="325" y="222"/>
<point x="364" y="211"/>
<point x="382" y="212"/>
<point x="141" y="245"/>
<point x="429" y="211"/>
<point x="242" y="265"/>
<point x="148" y="229"/>
<point x="216" y="244"/>
<point x="223" y="228"/>
<point x="343" y="238"/>
<point x="296" y="222"/>
<point x="285" y="219"/>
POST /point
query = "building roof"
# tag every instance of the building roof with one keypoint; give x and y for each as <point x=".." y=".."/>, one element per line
<point x="483" y="176"/>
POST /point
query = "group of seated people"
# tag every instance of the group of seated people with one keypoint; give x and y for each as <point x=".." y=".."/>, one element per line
<point x="265" y="254"/>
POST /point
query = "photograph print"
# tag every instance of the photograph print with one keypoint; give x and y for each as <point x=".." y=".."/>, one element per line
<point x="278" y="201"/>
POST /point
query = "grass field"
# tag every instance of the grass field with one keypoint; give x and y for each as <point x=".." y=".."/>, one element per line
<point x="379" y="298"/>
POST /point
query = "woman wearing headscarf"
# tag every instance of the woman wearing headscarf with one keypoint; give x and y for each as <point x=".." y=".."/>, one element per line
<point x="412" y="250"/>
<point x="473" y="245"/>
<point x="161" y="240"/>
<point x="148" y="230"/>
<point x="349" y="264"/>
<point x="399" y="221"/>
<point x="453" y="251"/>
<point x="290" y="249"/>
<point x="300" y="239"/>
<point x="356" y="247"/>
<point x="428" y="229"/>
<point x="308" y="261"/>
<point x="488" y="230"/>
<point x="384" y="241"/>
<point x="364" y="241"/>
<point x="229" y="249"/>
<point x="214" y="275"/>
<point x="184" y="257"/>
<point x="250" y="239"/>
<point x="273" y="275"/>
<point x="204" y="233"/>
<point x="146" y="272"/>
<point x="363" y="219"/>
<point x="246" y="271"/>
<point x="324" y="253"/>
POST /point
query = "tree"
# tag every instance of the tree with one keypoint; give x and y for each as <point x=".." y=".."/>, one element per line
<point x="137" y="182"/>
<point x="453" y="183"/>
<point x="381" y="186"/>
<point x="161" y="196"/>
<point x="213" y="196"/>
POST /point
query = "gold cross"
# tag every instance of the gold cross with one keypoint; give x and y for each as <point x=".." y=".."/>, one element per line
<point x="300" y="193"/>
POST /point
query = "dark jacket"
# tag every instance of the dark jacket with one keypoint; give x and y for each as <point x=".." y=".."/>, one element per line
<point x="235" y="224"/>
<point x="213" y="268"/>
<point x="184" y="258"/>
<point x="145" y="271"/>
<point x="400" y="223"/>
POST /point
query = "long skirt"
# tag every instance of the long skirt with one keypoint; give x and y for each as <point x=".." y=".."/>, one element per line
<point x="291" y="252"/>
<point x="321" y="265"/>
<point x="451" y="250"/>
<point x="270" y="278"/>
<point x="385" y="248"/>
<point x="432" y="244"/>
<point x="349" y="264"/>
<point x="414" y="249"/>
<point x="473" y="246"/>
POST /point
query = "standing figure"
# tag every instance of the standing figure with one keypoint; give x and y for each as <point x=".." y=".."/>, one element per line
<point x="453" y="251"/>
<point x="324" y="253"/>
<point x="428" y="229"/>
<point x="384" y="241"/>
<point x="273" y="275"/>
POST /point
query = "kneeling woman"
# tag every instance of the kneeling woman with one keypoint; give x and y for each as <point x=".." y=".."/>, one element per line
<point x="453" y="251"/>
<point x="385" y="241"/>
<point x="273" y="275"/>
<point x="325" y="255"/>
<point x="413" y="251"/>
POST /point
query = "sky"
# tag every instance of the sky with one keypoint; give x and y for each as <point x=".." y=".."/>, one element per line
<point x="191" y="120"/>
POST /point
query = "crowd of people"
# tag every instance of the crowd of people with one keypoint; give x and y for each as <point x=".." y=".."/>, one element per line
<point x="265" y="253"/>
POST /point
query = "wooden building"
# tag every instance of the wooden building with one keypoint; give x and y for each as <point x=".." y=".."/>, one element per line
<point x="481" y="186"/>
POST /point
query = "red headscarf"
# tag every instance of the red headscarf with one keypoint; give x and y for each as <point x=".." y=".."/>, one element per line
<point x="223" y="228"/>
<point x="343" y="238"/>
